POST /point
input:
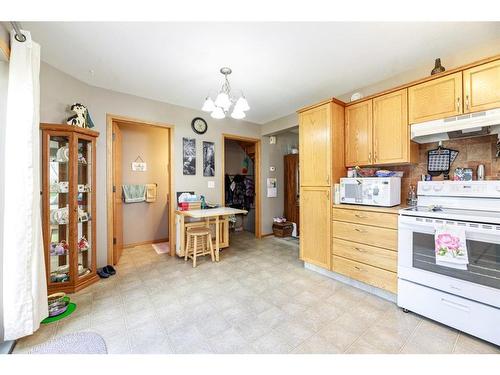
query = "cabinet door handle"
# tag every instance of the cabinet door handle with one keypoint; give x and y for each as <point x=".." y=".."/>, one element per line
<point x="328" y="194"/>
<point x="360" y="250"/>
<point x="360" y="216"/>
<point x="370" y="157"/>
<point x="358" y="268"/>
<point x="458" y="104"/>
<point x="359" y="230"/>
<point x="467" y="102"/>
<point x="328" y="179"/>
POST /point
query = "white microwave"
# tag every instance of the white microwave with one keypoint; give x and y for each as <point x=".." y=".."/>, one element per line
<point x="371" y="191"/>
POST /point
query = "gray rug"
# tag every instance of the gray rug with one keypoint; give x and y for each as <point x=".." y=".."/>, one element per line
<point x="73" y="343"/>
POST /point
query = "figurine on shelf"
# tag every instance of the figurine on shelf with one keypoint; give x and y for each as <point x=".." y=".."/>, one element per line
<point x="83" y="244"/>
<point x="58" y="249"/>
<point x="82" y="118"/>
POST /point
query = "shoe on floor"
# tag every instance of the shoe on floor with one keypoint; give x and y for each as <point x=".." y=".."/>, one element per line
<point x="103" y="274"/>
<point x="109" y="269"/>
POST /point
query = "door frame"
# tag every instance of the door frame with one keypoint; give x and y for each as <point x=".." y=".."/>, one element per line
<point x="257" y="143"/>
<point x="110" y="119"/>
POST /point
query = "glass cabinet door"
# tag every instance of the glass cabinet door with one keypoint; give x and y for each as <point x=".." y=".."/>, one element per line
<point x="84" y="193"/>
<point x="59" y="237"/>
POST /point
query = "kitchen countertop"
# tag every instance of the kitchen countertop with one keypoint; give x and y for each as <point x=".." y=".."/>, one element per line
<point x="389" y="210"/>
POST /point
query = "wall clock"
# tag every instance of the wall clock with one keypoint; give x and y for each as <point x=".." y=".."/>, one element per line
<point x="199" y="125"/>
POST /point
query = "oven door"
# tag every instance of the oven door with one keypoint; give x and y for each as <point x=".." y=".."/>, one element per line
<point x="417" y="260"/>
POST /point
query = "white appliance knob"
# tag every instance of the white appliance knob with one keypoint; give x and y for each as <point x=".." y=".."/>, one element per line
<point x="437" y="187"/>
<point x="426" y="188"/>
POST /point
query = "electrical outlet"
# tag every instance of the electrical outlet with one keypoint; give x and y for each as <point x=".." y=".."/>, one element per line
<point x="211" y="184"/>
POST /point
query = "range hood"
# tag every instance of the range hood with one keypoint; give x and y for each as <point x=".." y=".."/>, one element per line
<point x="463" y="126"/>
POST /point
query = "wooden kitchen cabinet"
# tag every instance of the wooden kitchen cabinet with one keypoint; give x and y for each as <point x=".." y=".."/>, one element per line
<point x="315" y="219"/>
<point x="482" y="87"/>
<point x="377" y="131"/>
<point x="364" y="244"/>
<point x="358" y="134"/>
<point x="391" y="131"/>
<point x="435" y="99"/>
<point x="315" y="146"/>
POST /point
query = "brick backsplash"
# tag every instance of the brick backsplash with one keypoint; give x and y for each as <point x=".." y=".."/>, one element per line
<point x="472" y="152"/>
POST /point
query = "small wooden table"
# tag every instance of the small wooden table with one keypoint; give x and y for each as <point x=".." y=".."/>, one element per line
<point x="209" y="213"/>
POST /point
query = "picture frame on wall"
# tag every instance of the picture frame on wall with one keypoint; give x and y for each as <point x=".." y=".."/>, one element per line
<point x="189" y="156"/>
<point x="208" y="159"/>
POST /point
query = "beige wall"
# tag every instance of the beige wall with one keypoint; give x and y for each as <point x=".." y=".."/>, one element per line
<point x="272" y="155"/>
<point x="280" y="124"/>
<point x="455" y="60"/>
<point x="145" y="221"/>
<point x="58" y="90"/>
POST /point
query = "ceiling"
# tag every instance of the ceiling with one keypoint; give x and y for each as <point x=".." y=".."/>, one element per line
<point x="279" y="66"/>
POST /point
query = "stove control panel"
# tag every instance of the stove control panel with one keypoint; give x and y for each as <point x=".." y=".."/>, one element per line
<point x="482" y="189"/>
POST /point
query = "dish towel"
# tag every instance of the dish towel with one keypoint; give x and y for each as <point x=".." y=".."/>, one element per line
<point x="150" y="193"/>
<point x="451" y="247"/>
<point x="134" y="193"/>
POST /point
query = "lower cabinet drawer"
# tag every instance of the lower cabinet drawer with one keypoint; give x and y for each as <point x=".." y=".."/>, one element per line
<point x="374" y="256"/>
<point x="368" y="274"/>
<point x="380" y="237"/>
<point x="379" y="219"/>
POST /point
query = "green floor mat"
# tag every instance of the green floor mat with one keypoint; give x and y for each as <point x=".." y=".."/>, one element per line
<point x="71" y="308"/>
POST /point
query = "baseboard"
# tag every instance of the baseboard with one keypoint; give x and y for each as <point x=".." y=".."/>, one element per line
<point x="128" y="246"/>
<point x="391" y="297"/>
<point x="266" y="235"/>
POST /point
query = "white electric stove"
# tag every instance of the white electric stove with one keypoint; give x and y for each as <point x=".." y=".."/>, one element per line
<point x="468" y="300"/>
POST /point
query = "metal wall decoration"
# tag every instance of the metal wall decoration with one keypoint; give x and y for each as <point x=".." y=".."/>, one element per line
<point x="208" y="159"/>
<point x="189" y="156"/>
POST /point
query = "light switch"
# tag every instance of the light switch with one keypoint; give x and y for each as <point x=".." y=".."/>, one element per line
<point x="272" y="169"/>
<point x="211" y="184"/>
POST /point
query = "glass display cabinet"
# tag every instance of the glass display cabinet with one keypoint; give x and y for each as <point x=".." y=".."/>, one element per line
<point x="68" y="203"/>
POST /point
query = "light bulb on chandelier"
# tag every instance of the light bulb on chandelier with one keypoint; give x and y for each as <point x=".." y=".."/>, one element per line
<point x="223" y="101"/>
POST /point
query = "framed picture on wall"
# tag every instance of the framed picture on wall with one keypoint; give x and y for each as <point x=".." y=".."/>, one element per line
<point x="208" y="159"/>
<point x="189" y="156"/>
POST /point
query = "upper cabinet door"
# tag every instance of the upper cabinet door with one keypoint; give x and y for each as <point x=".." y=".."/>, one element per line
<point x="315" y="146"/>
<point x="436" y="99"/>
<point x="358" y="134"/>
<point x="482" y="87"/>
<point x="390" y="128"/>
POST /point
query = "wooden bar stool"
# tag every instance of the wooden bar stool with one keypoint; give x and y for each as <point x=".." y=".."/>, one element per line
<point x="193" y="250"/>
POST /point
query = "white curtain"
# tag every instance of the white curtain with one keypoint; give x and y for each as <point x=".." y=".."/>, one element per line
<point x="25" y="289"/>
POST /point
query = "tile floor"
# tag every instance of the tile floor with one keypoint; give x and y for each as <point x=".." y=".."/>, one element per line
<point x="258" y="299"/>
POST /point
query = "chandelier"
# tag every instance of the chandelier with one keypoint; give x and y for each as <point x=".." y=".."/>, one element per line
<point x="224" y="100"/>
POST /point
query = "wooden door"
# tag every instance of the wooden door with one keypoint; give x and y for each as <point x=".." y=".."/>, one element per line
<point x="358" y="134"/>
<point x="482" y="87"/>
<point x="315" y="146"/>
<point x="436" y="99"/>
<point x="292" y="186"/>
<point x="315" y="219"/>
<point x="117" y="195"/>
<point x="391" y="136"/>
